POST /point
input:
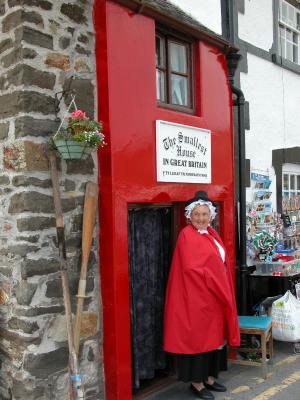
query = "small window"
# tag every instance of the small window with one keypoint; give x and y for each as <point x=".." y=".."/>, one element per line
<point x="291" y="184"/>
<point x="289" y="32"/>
<point x="174" y="72"/>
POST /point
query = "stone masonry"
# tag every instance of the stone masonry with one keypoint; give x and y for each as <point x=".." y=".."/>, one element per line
<point x="46" y="46"/>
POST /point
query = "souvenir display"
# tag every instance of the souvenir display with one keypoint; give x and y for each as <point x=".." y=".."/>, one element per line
<point x="291" y="216"/>
<point x="272" y="239"/>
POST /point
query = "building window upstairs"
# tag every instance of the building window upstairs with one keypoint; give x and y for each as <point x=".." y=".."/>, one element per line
<point x="174" y="83"/>
<point x="289" y="31"/>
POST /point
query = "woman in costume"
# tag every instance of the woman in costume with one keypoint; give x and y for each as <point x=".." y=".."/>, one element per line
<point x="200" y="310"/>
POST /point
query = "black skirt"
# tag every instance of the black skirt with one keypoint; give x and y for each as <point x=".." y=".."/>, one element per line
<point x="198" y="367"/>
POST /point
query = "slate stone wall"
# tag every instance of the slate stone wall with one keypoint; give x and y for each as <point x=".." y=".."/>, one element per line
<point x="45" y="47"/>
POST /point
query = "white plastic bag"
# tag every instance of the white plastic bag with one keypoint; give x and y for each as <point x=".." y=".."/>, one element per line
<point x="286" y="318"/>
<point x="297" y="287"/>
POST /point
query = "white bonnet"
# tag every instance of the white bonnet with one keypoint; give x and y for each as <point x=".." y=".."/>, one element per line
<point x="188" y="209"/>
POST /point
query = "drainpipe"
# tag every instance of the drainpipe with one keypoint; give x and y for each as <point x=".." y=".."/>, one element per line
<point x="239" y="102"/>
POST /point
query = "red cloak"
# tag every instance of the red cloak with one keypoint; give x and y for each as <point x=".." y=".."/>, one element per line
<point x="200" y="310"/>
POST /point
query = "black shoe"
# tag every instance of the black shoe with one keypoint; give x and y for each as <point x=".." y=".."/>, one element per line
<point x="217" y="387"/>
<point x="203" y="393"/>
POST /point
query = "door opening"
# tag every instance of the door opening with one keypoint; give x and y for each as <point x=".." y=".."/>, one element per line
<point x="152" y="233"/>
<point x="151" y="236"/>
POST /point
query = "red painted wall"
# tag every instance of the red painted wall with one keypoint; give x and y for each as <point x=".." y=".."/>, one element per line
<point x="125" y="50"/>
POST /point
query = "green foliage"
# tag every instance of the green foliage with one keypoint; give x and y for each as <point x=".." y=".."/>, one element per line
<point x="84" y="125"/>
<point x="92" y="138"/>
<point x="81" y="129"/>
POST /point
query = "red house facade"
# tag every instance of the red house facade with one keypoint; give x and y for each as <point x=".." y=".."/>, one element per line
<point x="129" y="105"/>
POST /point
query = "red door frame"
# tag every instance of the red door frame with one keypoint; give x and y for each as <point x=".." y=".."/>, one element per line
<point x="127" y="106"/>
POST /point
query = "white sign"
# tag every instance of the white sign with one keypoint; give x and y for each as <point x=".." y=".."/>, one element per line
<point x="183" y="153"/>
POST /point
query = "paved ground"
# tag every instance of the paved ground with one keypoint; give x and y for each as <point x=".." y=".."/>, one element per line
<point x="245" y="383"/>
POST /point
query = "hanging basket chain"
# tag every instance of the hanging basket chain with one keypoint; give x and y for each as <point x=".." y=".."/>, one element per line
<point x="72" y="103"/>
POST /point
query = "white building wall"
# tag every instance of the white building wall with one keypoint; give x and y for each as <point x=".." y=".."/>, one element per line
<point x="207" y="12"/>
<point x="256" y="24"/>
<point x="274" y="97"/>
<point x="291" y="88"/>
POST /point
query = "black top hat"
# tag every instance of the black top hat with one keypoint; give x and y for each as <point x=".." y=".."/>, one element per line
<point x="200" y="195"/>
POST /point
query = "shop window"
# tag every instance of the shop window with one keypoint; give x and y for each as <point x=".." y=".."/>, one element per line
<point x="289" y="31"/>
<point x="291" y="202"/>
<point x="174" y="86"/>
<point x="291" y="185"/>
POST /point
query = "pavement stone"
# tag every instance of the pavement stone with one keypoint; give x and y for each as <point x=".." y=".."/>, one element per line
<point x="246" y="382"/>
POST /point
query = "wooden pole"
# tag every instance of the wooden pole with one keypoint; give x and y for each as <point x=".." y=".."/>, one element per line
<point x="76" y="392"/>
<point x="89" y="217"/>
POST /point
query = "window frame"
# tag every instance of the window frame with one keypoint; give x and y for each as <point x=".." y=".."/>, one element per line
<point x="285" y="26"/>
<point x="169" y="36"/>
<point x="289" y="191"/>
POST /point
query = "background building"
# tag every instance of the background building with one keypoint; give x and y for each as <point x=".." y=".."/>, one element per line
<point x="270" y="80"/>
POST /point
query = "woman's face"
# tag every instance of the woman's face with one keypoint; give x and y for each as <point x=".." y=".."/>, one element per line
<point x="200" y="217"/>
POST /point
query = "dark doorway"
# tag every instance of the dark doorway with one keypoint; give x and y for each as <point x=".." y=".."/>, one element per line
<point x="150" y="246"/>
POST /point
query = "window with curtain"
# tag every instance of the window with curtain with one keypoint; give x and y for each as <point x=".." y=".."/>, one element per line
<point x="289" y="31"/>
<point x="174" y="84"/>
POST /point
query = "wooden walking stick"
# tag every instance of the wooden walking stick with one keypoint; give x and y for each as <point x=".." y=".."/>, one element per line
<point x="89" y="216"/>
<point x="76" y="392"/>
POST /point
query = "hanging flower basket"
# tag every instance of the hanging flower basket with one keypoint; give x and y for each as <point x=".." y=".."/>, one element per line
<point x="69" y="149"/>
<point x="80" y="137"/>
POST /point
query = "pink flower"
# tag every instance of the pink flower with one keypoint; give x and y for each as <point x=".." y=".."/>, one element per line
<point x="78" y="114"/>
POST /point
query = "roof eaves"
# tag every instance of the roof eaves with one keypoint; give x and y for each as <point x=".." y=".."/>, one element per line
<point x="166" y="13"/>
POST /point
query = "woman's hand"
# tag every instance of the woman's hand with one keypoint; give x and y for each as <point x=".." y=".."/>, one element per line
<point x="297" y="255"/>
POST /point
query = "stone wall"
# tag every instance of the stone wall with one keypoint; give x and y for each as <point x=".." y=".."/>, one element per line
<point x="45" y="47"/>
